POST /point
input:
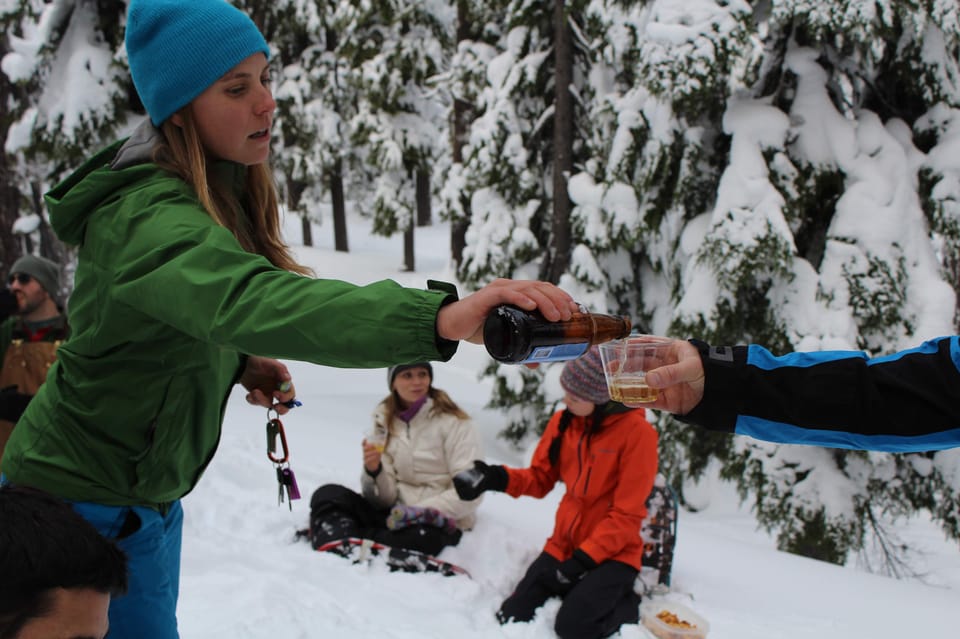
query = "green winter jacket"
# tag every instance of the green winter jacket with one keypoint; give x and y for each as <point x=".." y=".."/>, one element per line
<point x="165" y="306"/>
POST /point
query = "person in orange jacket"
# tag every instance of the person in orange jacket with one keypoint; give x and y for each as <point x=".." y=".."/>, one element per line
<point x="606" y="455"/>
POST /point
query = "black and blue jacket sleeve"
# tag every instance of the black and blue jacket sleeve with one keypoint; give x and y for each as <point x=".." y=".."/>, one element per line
<point x="905" y="402"/>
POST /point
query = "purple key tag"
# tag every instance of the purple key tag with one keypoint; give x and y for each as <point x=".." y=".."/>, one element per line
<point x="290" y="480"/>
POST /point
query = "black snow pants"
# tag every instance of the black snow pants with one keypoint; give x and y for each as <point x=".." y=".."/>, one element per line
<point x="595" y="607"/>
<point x="337" y="512"/>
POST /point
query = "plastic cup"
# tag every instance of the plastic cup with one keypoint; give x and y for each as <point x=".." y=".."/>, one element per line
<point x="625" y="365"/>
<point x="377" y="438"/>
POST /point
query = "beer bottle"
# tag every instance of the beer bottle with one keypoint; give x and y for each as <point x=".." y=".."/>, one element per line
<point x="515" y="336"/>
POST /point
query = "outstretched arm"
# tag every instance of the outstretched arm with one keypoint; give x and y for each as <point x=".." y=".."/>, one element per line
<point x="904" y="402"/>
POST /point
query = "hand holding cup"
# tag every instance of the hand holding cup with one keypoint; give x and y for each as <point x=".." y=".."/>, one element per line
<point x="675" y="377"/>
<point x="373" y="446"/>
<point x="625" y="365"/>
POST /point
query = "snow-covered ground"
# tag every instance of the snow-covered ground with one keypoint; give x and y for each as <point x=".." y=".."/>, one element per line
<point x="244" y="576"/>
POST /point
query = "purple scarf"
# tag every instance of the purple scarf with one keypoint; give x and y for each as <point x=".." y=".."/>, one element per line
<point x="410" y="411"/>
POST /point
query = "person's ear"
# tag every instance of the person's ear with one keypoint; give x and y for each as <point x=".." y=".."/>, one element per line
<point x="177" y="119"/>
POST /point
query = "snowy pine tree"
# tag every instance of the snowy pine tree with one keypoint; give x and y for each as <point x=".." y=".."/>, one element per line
<point x="782" y="172"/>
<point x="478" y="29"/>
<point x="771" y="172"/>
<point x="53" y="53"/>
<point x="398" y="52"/>
<point x="516" y="161"/>
<point x="315" y="93"/>
<point x="816" y="235"/>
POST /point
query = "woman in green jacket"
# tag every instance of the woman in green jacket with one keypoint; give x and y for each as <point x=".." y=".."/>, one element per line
<point x="184" y="287"/>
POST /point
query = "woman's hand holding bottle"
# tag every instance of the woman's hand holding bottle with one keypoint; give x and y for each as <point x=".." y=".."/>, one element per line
<point x="463" y="319"/>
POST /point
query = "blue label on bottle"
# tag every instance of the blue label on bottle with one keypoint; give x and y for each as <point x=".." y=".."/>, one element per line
<point x="557" y="353"/>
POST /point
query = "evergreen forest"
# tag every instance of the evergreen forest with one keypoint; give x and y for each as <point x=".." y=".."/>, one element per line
<point x="781" y="172"/>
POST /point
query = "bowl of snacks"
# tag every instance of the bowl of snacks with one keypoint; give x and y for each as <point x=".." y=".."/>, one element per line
<point x="672" y="620"/>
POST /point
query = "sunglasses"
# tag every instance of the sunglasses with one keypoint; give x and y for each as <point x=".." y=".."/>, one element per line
<point x="23" y="278"/>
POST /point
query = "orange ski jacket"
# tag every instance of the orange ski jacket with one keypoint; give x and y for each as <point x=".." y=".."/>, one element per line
<point x="608" y="475"/>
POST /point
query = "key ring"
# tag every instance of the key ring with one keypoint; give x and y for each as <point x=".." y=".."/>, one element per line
<point x="286" y="480"/>
<point x="275" y="430"/>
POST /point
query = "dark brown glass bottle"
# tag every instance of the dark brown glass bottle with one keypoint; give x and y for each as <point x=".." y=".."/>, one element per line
<point x="515" y="336"/>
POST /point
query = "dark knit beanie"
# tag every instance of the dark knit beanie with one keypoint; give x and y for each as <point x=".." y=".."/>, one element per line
<point x="178" y="48"/>
<point x="394" y="370"/>
<point x="47" y="273"/>
<point x="584" y="377"/>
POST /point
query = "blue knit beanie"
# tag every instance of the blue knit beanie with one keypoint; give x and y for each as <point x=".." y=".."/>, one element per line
<point x="178" y="48"/>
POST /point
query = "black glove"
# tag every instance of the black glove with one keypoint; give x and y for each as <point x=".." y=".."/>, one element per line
<point x="471" y="483"/>
<point x="569" y="572"/>
<point x="12" y="403"/>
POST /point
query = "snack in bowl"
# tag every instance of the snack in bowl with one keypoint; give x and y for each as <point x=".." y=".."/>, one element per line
<point x="672" y="620"/>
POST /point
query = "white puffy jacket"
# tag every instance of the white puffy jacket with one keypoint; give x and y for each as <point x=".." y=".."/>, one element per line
<point x="420" y="460"/>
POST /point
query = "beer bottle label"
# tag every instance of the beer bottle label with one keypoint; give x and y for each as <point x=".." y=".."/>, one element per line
<point x="556" y="353"/>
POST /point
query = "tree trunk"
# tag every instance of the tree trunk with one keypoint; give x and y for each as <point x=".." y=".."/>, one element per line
<point x="307" y="228"/>
<point x="424" y="214"/>
<point x="563" y="132"/>
<point x="458" y="240"/>
<point x="408" y="261"/>
<point x="9" y="193"/>
<point x="336" y="176"/>
<point x="461" y="115"/>
<point x="50" y="245"/>
<point x="461" y="119"/>
<point x="295" y="189"/>
<point x="339" y="208"/>
<point x="9" y="200"/>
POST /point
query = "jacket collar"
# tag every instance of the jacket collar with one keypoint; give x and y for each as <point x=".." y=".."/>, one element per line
<point x="138" y="148"/>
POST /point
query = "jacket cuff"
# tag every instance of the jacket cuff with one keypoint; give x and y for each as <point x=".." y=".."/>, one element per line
<point x="241" y="368"/>
<point x="445" y="347"/>
<point x="584" y="559"/>
<point x="723" y="387"/>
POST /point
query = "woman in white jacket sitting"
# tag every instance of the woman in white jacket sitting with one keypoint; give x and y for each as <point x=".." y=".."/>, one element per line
<point x="408" y="499"/>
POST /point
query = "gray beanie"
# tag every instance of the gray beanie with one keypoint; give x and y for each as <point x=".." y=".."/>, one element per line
<point x="42" y="270"/>
<point x="393" y="370"/>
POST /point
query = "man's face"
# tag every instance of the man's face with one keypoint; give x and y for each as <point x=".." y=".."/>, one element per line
<point x="30" y="295"/>
<point x="77" y="613"/>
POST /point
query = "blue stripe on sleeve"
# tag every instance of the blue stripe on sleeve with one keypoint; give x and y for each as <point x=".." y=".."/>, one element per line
<point x="765" y="360"/>
<point x="781" y="433"/>
<point x="927" y="348"/>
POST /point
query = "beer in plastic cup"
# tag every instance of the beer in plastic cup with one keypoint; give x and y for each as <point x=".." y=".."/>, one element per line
<point x="625" y="365"/>
<point x="377" y="437"/>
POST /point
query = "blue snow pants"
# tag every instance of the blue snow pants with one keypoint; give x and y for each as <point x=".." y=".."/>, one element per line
<point x="152" y="543"/>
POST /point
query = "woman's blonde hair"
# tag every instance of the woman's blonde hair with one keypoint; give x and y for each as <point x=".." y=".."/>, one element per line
<point x="253" y="218"/>
<point x="442" y="404"/>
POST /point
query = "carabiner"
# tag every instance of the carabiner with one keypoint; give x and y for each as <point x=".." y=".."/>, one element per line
<point x="274" y="430"/>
